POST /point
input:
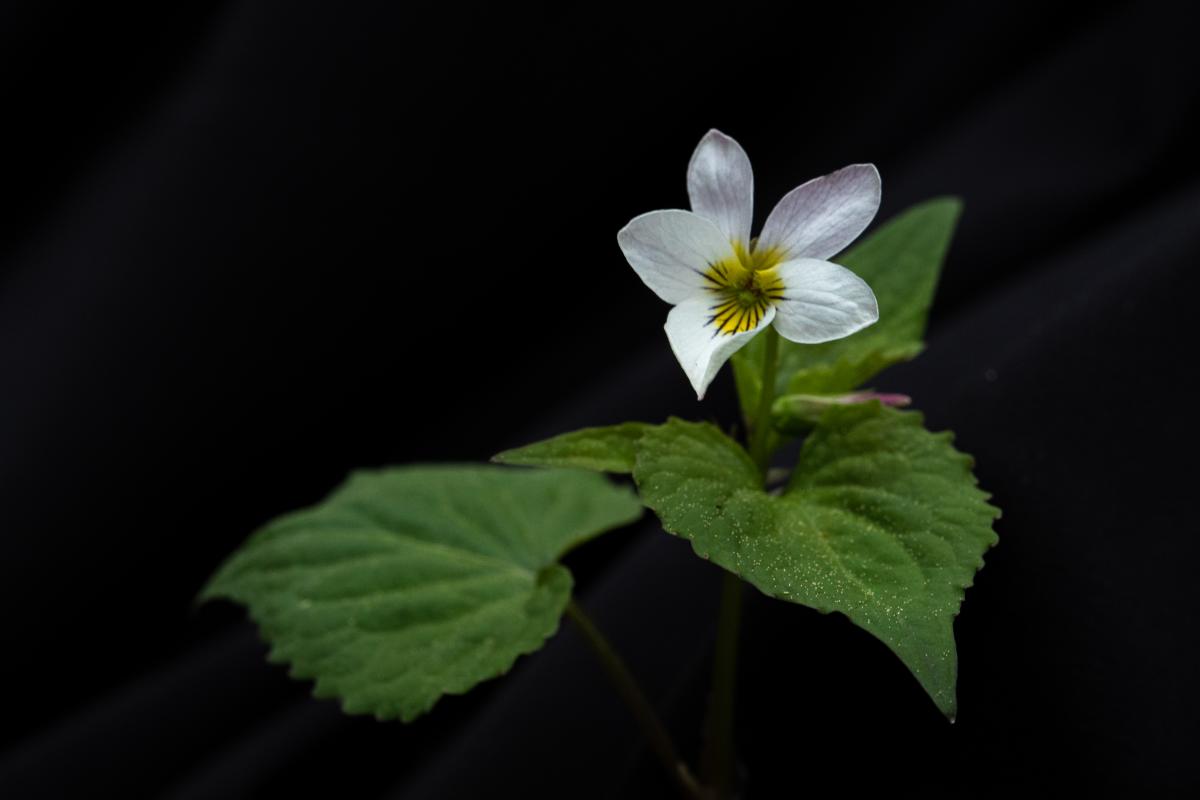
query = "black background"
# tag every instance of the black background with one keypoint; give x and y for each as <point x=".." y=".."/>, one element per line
<point x="247" y="247"/>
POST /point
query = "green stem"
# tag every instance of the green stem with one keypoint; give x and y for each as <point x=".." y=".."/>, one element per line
<point x="719" y="758"/>
<point x="631" y="693"/>
<point x="761" y="432"/>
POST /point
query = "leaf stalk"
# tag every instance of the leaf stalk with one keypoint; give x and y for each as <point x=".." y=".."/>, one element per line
<point x="643" y="712"/>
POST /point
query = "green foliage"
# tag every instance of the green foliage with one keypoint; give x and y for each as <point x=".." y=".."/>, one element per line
<point x="410" y="583"/>
<point x="901" y="262"/>
<point x="881" y="521"/>
<point x="610" y="449"/>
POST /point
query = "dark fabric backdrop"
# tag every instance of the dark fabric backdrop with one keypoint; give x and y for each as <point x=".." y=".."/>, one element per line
<point x="248" y="247"/>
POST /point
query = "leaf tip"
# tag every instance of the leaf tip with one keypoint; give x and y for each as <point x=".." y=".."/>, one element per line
<point x="213" y="589"/>
<point x="952" y="203"/>
<point x="510" y="457"/>
<point x="947" y="703"/>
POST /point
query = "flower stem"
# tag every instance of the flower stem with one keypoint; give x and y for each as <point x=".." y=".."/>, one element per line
<point x="760" y="430"/>
<point x="719" y="766"/>
<point x="719" y="758"/>
<point x="631" y="693"/>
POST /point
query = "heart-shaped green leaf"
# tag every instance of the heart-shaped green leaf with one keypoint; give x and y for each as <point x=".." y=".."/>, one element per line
<point x="407" y="584"/>
<point x="881" y="521"/>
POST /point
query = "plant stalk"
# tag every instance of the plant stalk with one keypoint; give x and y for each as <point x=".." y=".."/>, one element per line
<point x="643" y="712"/>
<point x="719" y="758"/>
<point x="720" y="762"/>
<point x="760" y="425"/>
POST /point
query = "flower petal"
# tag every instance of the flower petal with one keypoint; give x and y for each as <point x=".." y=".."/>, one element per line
<point x="700" y="347"/>
<point x="822" y="302"/>
<point x="721" y="185"/>
<point x="820" y="218"/>
<point x="671" y="250"/>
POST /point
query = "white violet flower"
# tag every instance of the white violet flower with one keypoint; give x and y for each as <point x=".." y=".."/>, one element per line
<point x="725" y="286"/>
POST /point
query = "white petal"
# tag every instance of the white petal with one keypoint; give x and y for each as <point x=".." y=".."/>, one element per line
<point x="671" y="250"/>
<point x="820" y="218"/>
<point x="822" y="302"/>
<point x="721" y="185"/>
<point x="699" y="346"/>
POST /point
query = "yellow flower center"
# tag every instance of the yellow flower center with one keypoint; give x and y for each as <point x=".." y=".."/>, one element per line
<point x="745" y="286"/>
